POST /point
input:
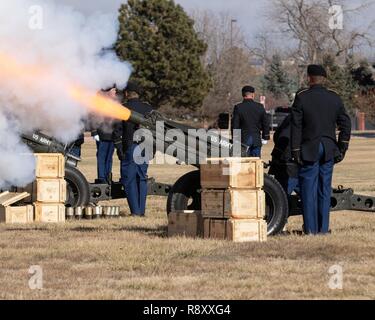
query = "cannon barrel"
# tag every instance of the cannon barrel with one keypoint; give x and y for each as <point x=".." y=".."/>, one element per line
<point x="41" y="143"/>
<point x="187" y="144"/>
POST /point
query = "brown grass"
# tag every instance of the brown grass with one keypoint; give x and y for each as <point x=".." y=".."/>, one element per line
<point x="133" y="259"/>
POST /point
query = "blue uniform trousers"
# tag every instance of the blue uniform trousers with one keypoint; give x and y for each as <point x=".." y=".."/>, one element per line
<point x="289" y="184"/>
<point x="104" y="156"/>
<point x="254" y="151"/>
<point x="316" y="190"/>
<point x="134" y="178"/>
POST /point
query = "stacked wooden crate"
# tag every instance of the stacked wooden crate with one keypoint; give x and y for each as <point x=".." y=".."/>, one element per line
<point x="185" y="223"/>
<point x="233" y="202"/>
<point x="48" y="191"/>
<point x="10" y="210"/>
<point x="41" y="201"/>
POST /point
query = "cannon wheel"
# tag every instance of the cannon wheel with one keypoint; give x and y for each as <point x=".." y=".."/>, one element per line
<point x="277" y="208"/>
<point x="185" y="195"/>
<point x="78" y="189"/>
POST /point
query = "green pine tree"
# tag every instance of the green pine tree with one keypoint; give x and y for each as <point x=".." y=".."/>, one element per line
<point x="340" y="79"/>
<point x="277" y="80"/>
<point x="158" y="38"/>
<point x="363" y="76"/>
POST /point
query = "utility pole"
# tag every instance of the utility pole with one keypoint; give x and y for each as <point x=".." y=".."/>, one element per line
<point x="232" y="22"/>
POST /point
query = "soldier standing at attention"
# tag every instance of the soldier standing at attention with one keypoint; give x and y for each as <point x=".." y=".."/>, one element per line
<point x="104" y="143"/>
<point x="316" y="114"/>
<point x="251" y="118"/>
<point x="133" y="173"/>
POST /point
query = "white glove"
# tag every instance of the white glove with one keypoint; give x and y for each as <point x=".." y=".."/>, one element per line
<point x="264" y="142"/>
<point x="96" y="138"/>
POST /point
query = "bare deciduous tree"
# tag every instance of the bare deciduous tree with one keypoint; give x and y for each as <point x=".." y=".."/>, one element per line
<point x="219" y="32"/>
<point x="307" y="23"/>
<point x="227" y="59"/>
<point x="263" y="47"/>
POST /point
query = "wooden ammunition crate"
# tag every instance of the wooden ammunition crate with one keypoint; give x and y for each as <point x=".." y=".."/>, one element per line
<point x="185" y="223"/>
<point x="49" y="190"/>
<point x="236" y="230"/>
<point x="233" y="203"/>
<point x="49" y="212"/>
<point x="21" y="214"/>
<point x="215" y="229"/>
<point x="46" y="191"/>
<point x="224" y="173"/>
<point x="50" y="165"/>
<point x="15" y="214"/>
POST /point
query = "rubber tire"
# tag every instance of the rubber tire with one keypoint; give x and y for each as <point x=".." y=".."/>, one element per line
<point x="185" y="194"/>
<point x="78" y="188"/>
<point x="277" y="207"/>
<point x="188" y="187"/>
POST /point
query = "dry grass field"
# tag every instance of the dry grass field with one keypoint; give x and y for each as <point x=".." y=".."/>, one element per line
<point x="133" y="259"/>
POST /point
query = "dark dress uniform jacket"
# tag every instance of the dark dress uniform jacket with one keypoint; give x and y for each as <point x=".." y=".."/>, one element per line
<point x="126" y="130"/>
<point x="282" y="152"/>
<point x="252" y="119"/>
<point x="316" y="114"/>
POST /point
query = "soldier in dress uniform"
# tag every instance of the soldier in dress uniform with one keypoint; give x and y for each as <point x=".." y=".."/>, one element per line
<point x="251" y="118"/>
<point x="316" y="114"/>
<point x="133" y="172"/>
<point x="103" y="136"/>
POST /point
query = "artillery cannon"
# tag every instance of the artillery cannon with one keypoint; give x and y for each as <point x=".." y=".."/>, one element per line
<point x="185" y="194"/>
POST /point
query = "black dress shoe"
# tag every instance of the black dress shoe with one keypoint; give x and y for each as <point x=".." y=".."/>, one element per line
<point x="100" y="181"/>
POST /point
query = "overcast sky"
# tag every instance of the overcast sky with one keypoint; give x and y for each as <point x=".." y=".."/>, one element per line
<point x="249" y="13"/>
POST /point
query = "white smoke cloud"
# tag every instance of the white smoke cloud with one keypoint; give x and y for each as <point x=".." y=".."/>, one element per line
<point x="66" y="48"/>
<point x="16" y="163"/>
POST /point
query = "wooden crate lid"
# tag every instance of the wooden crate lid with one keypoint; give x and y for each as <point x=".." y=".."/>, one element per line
<point x="48" y="155"/>
<point x="8" y="198"/>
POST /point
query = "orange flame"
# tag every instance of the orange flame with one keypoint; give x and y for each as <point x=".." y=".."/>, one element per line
<point x="27" y="75"/>
<point x="100" y="104"/>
